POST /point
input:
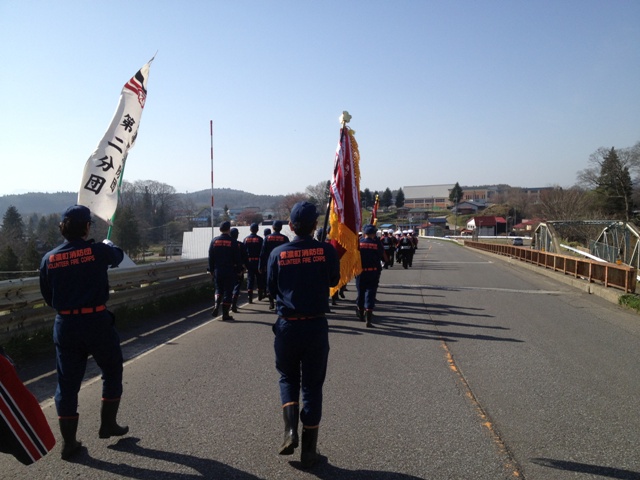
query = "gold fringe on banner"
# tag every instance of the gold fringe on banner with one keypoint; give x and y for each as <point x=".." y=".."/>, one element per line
<point x="350" y="262"/>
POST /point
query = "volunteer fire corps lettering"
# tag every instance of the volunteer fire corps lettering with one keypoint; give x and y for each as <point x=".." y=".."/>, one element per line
<point x="74" y="257"/>
<point x="297" y="257"/>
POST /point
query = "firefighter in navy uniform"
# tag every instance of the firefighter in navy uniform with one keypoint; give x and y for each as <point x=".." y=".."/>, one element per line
<point x="405" y="249"/>
<point x="397" y="235"/>
<point x="299" y="275"/>
<point x="414" y="241"/>
<point x="372" y="255"/>
<point x="389" y="245"/>
<point x="270" y="243"/>
<point x="262" y="273"/>
<point x="240" y="269"/>
<point x="74" y="281"/>
<point x="224" y="262"/>
<point x="252" y="247"/>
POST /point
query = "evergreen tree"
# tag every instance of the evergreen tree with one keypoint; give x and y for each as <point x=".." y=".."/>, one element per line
<point x="31" y="258"/>
<point x="9" y="262"/>
<point x="12" y="226"/>
<point x="126" y="233"/>
<point x="366" y="198"/>
<point x="614" y="187"/>
<point x="456" y="194"/>
<point x="400" y="198"/>
<point x="387" y="198"/>
<point x="32" y="225"/>
<point x="12" y="231"/>
<point x="48" y="231"/>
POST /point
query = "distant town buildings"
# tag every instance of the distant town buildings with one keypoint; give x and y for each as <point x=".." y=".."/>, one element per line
<point x="436" y="197"/>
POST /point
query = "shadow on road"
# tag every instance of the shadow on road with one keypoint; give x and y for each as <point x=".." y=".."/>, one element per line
<point x="325" y="471"/>
<point x="205" y="467"/>
<point x="416" y="322"/>
<point x="211" y="469"/>
<point x="601" y="471"/>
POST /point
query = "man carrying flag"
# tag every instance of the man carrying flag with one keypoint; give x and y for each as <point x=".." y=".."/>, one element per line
<point x="74" y="279"/>
<point x="345" y="216"/>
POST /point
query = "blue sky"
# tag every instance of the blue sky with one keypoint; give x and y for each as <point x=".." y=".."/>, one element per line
<point x="476" y="92"/>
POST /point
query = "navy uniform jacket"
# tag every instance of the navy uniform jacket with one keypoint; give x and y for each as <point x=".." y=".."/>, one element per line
<point x="270" y="242"/>
<point x="389" y="243"/>
<point x="253" y="248"/>
<point x="371" y="254"/>
<point x="300" y="274"/>
<point x="406" y="243"/>
<point x="224" y="254"/>
<point x="74" y="274"/>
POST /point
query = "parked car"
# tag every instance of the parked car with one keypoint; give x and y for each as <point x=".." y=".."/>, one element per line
<point x="518" y="242"/>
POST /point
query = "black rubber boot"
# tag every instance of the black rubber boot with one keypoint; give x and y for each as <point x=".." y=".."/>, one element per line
<point x="216" y="308"/>
<point x="290" y="414"/>
<point x="272" y="304"/>
<point x="225" y="313"/>
<point x="108" y="425"/>
<point x="360" y="313"/>
<point x="234" y="304"/>
<point x="369" y="314"/>
<point x="68" y="429"/>
<point x="250" y="296"/>
<point x="261" y="294"/>
<point x="309" y="453"/>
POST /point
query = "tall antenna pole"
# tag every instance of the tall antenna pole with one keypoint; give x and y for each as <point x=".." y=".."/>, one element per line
<point x="211" y="132"/>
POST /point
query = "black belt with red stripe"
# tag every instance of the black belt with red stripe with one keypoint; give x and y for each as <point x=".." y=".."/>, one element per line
<point x="83" y="310"/>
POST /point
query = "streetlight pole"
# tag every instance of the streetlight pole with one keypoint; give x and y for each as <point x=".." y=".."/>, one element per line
<point x="455" y="227"/>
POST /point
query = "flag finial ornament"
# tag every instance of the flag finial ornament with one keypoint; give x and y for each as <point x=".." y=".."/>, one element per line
<point x="345" y="117"/>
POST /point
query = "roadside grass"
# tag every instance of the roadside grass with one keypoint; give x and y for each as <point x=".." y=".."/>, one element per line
<point x="38" y="344"/>
<point x="630" y="301"/>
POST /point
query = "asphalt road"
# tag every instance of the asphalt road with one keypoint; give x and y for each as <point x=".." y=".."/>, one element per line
<point x="477" y="369"/>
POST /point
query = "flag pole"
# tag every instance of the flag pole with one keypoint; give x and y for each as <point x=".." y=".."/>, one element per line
<point x="211" y="134"/>
<point x="344" y="119"/>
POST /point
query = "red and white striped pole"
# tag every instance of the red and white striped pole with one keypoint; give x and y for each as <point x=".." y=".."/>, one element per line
<point x="211" y="132"/>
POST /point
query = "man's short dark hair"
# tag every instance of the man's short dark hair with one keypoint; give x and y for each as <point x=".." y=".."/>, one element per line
<point x="72" y="230"/>
<point x="303" y="229"/>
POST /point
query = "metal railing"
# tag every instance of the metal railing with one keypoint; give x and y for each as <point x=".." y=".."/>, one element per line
<point x="613" y="275"/>
<point x="22" y="309"/>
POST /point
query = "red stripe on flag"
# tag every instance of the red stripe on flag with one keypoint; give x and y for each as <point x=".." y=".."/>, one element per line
<point x="18" y="431"/>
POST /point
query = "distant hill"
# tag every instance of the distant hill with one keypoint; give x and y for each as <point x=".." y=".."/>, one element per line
<point x="48" y="203"/>
<point x="40" y="203"/>
<point x="232" y="198"/>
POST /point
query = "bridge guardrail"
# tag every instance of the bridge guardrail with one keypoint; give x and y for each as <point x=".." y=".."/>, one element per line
<point x="609" y="274"/>
<point x="22" y="309"/>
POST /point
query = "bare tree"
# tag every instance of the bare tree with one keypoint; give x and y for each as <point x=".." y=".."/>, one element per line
<point x="573" y="203"/>
<point x="286" y="205"/>
<point x="319" y="194"/>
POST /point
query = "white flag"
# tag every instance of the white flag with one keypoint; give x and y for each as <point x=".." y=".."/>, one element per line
<point x="103" y="171"/>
